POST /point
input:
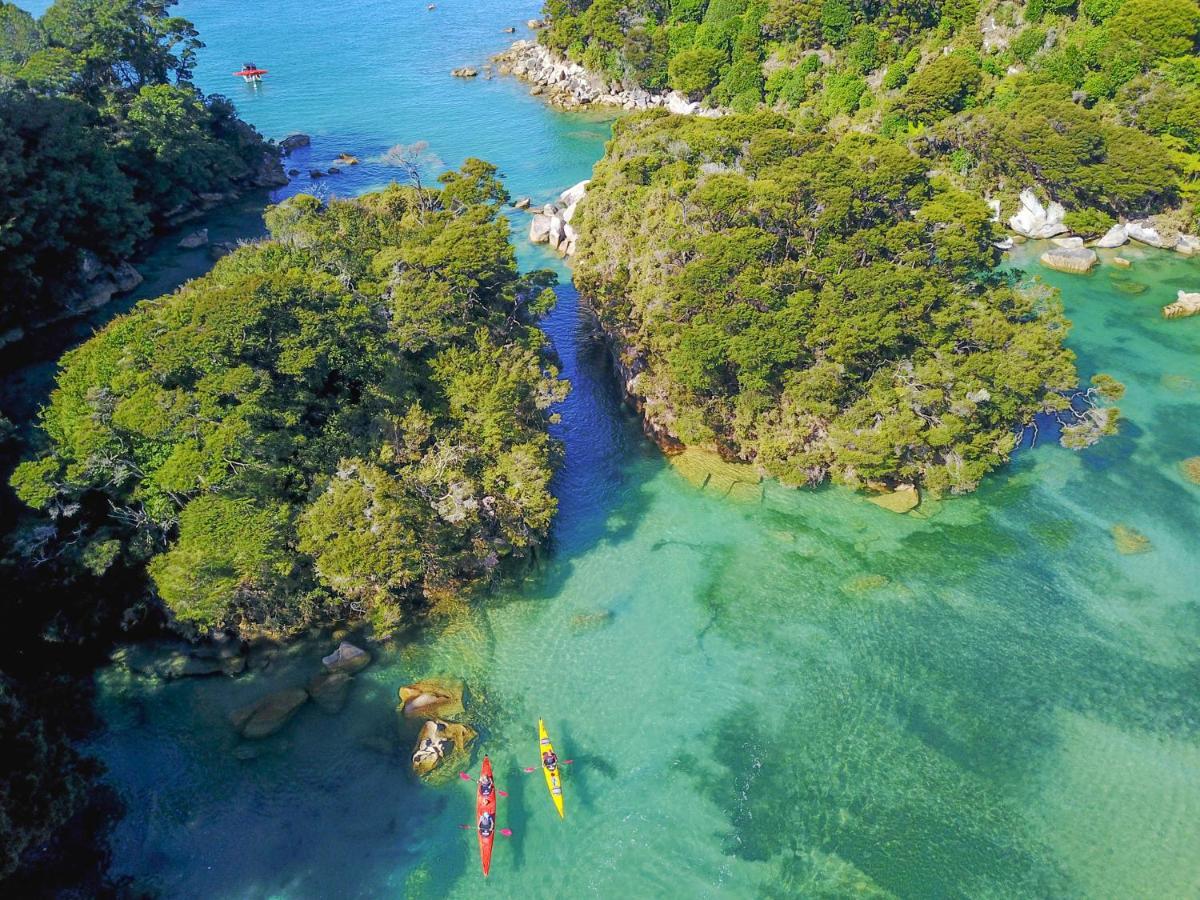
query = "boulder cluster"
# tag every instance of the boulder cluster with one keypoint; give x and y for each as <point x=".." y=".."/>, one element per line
<point x="1037" y="221"/>
<point x="570" y="85"/>
<point x="436" y="700"/>
<point x="552" y="225"/>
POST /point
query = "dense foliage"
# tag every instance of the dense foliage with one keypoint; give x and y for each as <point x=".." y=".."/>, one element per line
<point x="349" y="418"/>
<point x="102" y="138"/>
<point x="1094" y="100"/>
<point x="818" y="304"/>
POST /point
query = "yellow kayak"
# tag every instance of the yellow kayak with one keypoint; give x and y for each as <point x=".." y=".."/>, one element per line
<point x="553" y="778"/>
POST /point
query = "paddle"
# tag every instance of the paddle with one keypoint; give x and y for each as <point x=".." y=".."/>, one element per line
<point x="466" y="776"/>
<point x="564" y="762"/>
<point x="507" y="832"/>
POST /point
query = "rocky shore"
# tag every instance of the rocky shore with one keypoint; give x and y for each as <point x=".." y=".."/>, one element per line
<point x="98" y="282"/>
<point x="1035" y="220"/>
<point x="569" y="85"/>
<point x="552" y="225"/>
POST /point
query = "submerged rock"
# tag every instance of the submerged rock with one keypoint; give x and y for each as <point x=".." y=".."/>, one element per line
<point x="1078" y="261"/>
<point x="706" y="470"/>
<point x="1188" y="245"/>
<point x="904" y="498"/>
<point x="588" y="621"/>
<point x="863" y="584"/>
<point x="1121" y="262"/>
<point x="268" y="715"/>
<point x="347" y="658"/>
<point x="194" y="240"/>
<point x="1185" y="305"/>
<point x="1130" y="540"/>
<point x="328" y="690"/>
<point x="437" y="741"/>
<point x="464" y="72"/>
<point x="1191" y="469"/>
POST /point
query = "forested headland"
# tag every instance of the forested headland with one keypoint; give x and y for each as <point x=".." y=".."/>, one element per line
<point x="103" y="139"/>
<point x="1094" y="102"/>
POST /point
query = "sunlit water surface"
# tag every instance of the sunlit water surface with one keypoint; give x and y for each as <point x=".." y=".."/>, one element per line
<point x="798" y="695"/>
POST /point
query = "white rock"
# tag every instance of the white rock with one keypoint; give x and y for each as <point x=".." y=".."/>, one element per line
<point x="539" y="228"/>
<point x="1078" y="260"/>
<point x="1068" y="243"/>
<point x="1036" y="221"/>
<point x="1006" y="244"/>
<point x="680" y="105"/>
<point x="1146" y="234"/>
<point x="573" y="194"/>
<point x="1114" y="237"/>
<point x="994" y="206"/>
<point x="1189" y="245"/>
<point x="557" y="232"/>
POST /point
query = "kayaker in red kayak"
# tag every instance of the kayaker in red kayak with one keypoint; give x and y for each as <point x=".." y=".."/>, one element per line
<point x="487" y="823"/>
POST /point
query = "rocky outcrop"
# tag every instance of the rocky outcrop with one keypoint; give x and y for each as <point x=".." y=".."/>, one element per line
<point x="1077" y="260"/>
<point x="347" y="658"/>
<point x="464" y="72"/>
<point x="553" y="224"/>
<point x="1186" y="304"/>
<point x="266" y="716"/>
<point x="432" y="698"/>
<point x="571" y="86"/>
<point x="1188" y="245"/>
<point x="294" y="142"/>
<point x="1033" y="220"/>
<point x="437" y="741"/>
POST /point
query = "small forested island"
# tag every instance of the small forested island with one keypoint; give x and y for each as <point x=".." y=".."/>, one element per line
<point x="103" y="139"/>
<point x="818" y="305"/>
<point x="346" y="420"/>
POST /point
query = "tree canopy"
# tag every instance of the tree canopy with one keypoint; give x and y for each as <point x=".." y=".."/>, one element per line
<point x="346" y="420"/>
<point x="102" y="139"/>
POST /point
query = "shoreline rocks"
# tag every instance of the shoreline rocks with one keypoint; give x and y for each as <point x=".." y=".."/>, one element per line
<point x="571" y="86"/>
<point x="294" y="142"/>
<point x="553" y="224"/>
<point x="464" y="72"/>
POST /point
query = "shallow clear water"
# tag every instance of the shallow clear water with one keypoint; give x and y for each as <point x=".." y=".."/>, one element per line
<point x="799" y="695"/>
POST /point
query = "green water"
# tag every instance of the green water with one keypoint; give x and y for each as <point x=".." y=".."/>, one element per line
<point x="798" y="696"/>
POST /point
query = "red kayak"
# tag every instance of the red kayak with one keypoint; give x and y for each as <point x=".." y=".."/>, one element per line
<point x="485" y="804"/>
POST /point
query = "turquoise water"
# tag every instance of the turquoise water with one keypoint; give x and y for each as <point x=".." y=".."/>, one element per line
<point x="796" y="694"/>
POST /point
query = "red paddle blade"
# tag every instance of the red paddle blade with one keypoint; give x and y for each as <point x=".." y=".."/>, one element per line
<point x="501" y="793"/>
<point x="465" y="777"/>
<point x="507" y="832"/>
<point x="531" y="769"/>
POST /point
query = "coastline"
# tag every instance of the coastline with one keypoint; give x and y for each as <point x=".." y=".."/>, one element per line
<point x="568" y="85"/>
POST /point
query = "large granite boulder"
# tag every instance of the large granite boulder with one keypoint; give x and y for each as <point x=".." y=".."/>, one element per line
<point x="1078" y="260"/>
<point x="1187" y="304"/>
<point x="539" y="228"/>
<point x="573" y="194"/>
<point x="1033" y="220"/>
<point x="266" y="716"/>
<point x="1114" y="237"/>
<point x="438" y="741"/>
<point x="347" y="658"/>
<point x="432" y="698"/>
<point x="1145" y="233"/>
